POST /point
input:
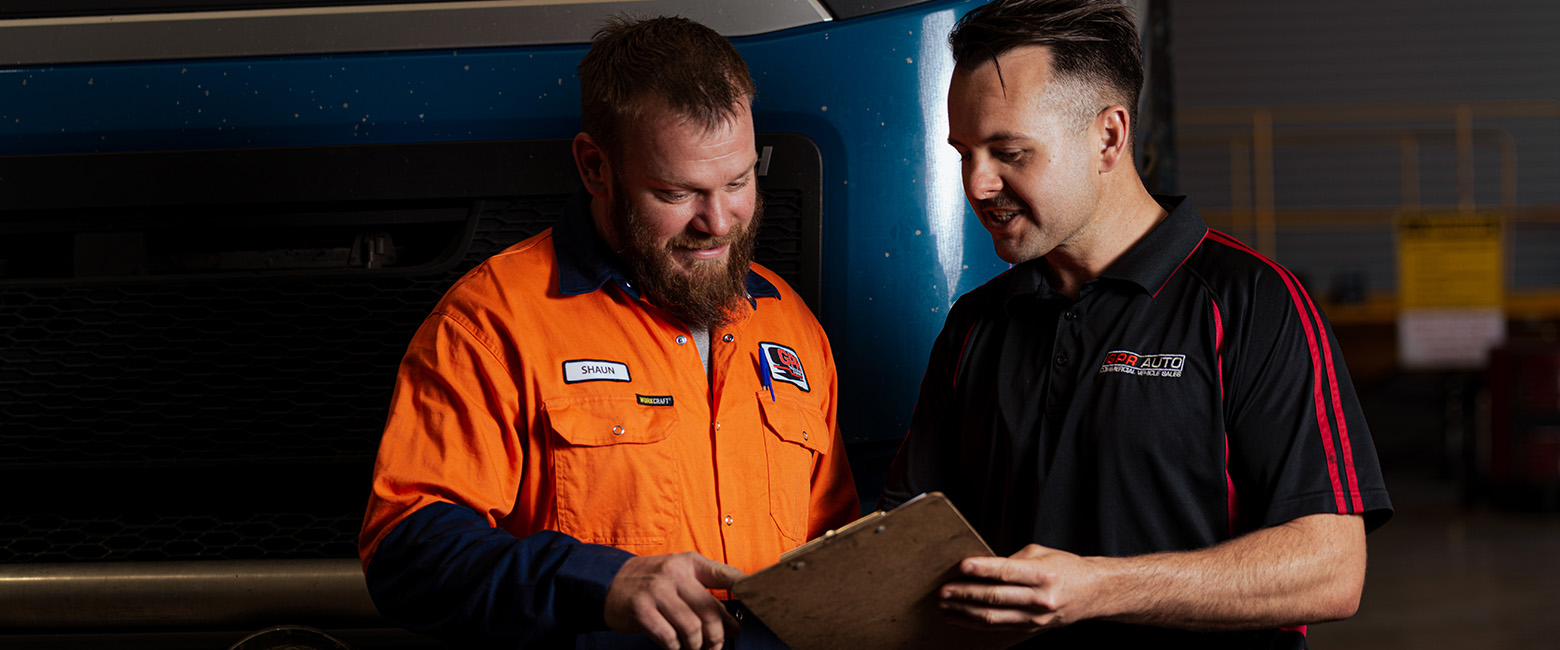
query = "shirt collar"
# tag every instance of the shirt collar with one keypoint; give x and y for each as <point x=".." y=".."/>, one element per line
<point x="586" y="263"/>
<point x="1148" y="264"/>
<point x="1028" y="279"/>
<point x="1151" y="262"/>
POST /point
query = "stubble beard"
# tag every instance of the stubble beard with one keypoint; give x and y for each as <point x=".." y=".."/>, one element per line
<point x="1012" y="249"/>
<point x="711" y="295"/>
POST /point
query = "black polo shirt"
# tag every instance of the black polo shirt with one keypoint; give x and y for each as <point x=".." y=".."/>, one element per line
<point x="1193" y="392"/>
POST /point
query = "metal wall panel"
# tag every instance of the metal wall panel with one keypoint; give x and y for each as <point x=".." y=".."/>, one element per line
<point x="1336" y="52"/>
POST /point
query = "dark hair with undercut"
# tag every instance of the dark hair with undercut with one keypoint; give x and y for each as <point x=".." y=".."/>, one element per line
<point x="1092" y="41"/>
<point x="635" y="63"/>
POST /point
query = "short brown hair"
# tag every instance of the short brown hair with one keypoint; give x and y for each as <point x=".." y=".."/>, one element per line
<point x="1092" y="41"/>
<point x="632" y="63"/>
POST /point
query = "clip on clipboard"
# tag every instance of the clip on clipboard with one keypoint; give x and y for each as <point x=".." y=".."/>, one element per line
<point x="873" y="583"/>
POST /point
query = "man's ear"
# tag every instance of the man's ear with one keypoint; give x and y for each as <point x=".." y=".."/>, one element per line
<point x="1113" y="129"/>
<point x="595" y="169"/>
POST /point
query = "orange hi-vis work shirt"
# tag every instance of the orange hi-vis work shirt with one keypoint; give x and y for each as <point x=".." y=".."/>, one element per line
<point x="546" y="395"/>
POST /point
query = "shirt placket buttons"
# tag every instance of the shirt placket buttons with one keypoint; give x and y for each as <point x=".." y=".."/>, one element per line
<point x="728" y="520"/>
<point x="617" y="430"/>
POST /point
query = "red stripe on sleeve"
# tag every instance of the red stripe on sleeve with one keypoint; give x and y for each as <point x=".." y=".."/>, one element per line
<point x="1337" y="404"/>
<point x="1316" y="364"/>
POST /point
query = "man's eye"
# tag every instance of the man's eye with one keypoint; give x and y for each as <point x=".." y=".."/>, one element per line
<point x="673" y="196"/>
<point x="1007" y="156"/>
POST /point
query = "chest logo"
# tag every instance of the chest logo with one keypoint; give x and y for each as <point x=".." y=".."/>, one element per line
<point x="580" y="370"/>
<point x="1143" y="365"/>
<point x="784" y="365"/>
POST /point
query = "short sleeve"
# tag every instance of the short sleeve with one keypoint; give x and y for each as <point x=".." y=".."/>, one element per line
<point x="1298" y="440"/>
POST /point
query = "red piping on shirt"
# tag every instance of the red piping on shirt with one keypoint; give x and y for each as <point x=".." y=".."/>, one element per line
<point x="1295" y="292"/>
<point x="1229" y="481"/>
<point x="1218" y="345"/>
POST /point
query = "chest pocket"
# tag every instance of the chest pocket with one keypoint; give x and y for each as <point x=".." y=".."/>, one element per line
<point x="615" y="470"/>
<point x="796" y="436"/>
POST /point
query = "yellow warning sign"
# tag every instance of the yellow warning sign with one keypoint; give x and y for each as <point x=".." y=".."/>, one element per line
<point x="1450" y="261"/>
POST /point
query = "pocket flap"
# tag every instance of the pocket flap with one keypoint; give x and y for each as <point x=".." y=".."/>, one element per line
<point x="795" y="422"/>
<point x="599" y="420"/>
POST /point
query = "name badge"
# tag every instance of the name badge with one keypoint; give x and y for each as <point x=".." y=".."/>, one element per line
<point x="581" y="370"/>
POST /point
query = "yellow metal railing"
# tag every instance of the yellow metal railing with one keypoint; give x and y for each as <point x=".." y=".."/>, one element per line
<point x="1252" y="135"/>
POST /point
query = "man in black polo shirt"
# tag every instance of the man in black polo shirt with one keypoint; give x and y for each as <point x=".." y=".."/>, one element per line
<point x="1152" y="422"/>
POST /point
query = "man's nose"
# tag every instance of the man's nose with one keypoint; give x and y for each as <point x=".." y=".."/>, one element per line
<point x="714" y="217"/>
<point x="981" y="179"/>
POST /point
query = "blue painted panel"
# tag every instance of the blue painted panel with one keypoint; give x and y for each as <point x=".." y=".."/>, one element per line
<point x="270" y="102"/>
<point x="899" y="242"/>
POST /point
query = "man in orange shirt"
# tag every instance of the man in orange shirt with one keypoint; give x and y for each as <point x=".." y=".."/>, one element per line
<point x="600" y="425"/>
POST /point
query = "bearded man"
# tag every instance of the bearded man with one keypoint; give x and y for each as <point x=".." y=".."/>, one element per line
<point x="602" y="427"/>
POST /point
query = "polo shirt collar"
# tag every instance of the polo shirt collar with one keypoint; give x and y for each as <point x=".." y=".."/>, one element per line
<point x="1029" y="279"/>
<point x="586" y="263"/>
<point x="1148" y="264"/>
<point x="1151" y="262"/>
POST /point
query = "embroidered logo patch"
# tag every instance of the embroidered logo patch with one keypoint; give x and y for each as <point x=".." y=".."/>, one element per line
<point x="784" y="365"/>
<point x="580" y="370"/>
<point x="1144" y="365"/>
<point x="654" y="400"/>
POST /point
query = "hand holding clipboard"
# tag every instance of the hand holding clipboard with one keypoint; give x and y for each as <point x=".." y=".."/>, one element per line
<point x="873" y="583"/>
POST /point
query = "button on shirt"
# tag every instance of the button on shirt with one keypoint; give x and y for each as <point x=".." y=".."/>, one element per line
<point x="546" y="395"/>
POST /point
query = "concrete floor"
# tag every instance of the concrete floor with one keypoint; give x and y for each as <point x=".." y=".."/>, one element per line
<point x="1447" y="576"/>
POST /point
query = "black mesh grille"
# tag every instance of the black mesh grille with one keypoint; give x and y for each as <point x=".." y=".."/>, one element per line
<point x="222" y="369"/>
<point x="780" y="239"/>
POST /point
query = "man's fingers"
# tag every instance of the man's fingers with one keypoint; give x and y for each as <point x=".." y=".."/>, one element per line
<point x="992" y="618"/>
<point x="711" y="613"/>
<point x="719" y="625"/>
<point x="657" y="627"/>
<point x="1001" y="569"/>
<point x="731" y="627"/>
<point x="715" y="575"/>
<point x="665" y="597"/>
<point x="989" y="568"/>
<point x="717" y="622"/>
<point x="690" y="628"/>
<point x="1002" y="595"/>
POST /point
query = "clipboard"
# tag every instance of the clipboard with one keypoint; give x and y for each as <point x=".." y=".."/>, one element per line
<point x="873" y="584"/>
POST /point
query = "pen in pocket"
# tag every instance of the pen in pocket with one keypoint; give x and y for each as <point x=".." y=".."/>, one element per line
<point x="768" y="380"/>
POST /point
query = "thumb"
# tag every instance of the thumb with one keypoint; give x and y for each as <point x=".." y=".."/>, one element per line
<point x="716" y="575"/>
